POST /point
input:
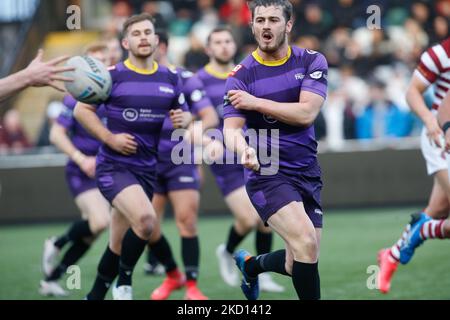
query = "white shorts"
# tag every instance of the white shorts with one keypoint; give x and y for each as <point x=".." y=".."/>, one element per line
<point x="432" y="154"/>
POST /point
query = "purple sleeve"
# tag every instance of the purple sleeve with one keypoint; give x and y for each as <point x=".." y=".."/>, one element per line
<point x="229" y="111"/>
<point x="195" y="95"/>
<point x="65" y="118"/>
<point x="315" y="80"/>
<point x="180" y="100"/>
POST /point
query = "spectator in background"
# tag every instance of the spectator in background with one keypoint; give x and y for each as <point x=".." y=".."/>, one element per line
<point x="235" y="13"/>
<point x="440" y="30"/>
<point x="308" y="42"/>
<point x="316" y="22"/>
<point x="115" y="51"/>
<point x="381" y="118"/>
<point x="121" y="10"/>
<point x="196" y="57"/>
<point x="345" y="12"/>
<point x="12" y="135"/>
<point x="152" y="8"/>
<point x="54" y="108"/>
<point x="421" y="12"/>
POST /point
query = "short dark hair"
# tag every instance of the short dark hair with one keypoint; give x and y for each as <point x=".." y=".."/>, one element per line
<point x="217" y="30"/>
<point x="135" y="19"/>
<point x="286" y="5"/>
<point x="163" y="37"/>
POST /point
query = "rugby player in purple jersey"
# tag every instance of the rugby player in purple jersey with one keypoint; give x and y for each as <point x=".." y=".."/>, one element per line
<point x="221" y="48"/>
<point x="278" y="91"/>
<point x="143" y="94"/>
<point x="179" y="183"/>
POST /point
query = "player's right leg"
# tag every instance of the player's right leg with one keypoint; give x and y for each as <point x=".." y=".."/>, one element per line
<point x="153" y="263"/>
<point x="78" y="230"/>
<point x="108" y="267"/>
<point x="300" y="259"/>
<point x="163" y="252"/>
<point x="134" y="203"/>
<point x="389" y="258"/>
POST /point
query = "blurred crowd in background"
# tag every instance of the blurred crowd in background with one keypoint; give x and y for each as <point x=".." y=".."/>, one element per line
<point x="369" y="69"/>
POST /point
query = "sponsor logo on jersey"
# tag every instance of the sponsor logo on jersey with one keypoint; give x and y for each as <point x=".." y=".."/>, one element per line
<point x="181" y="99"/>
<point x="269" y="119"/>
<point x="316" y="75"/>
<point x="130" y="114"/>
<point x="311" y="51"/>
<point x="186" y="179"/>
<point x="196" y="95"/>
<point x="236" y="69"/>
<point x="299" y="76"/>
<point x="166" y="89"/>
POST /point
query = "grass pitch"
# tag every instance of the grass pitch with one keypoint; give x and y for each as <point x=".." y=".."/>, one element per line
<point x="349" y="246"/>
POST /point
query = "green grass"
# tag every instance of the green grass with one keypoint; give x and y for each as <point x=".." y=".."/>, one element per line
<point x="350" y="242"/>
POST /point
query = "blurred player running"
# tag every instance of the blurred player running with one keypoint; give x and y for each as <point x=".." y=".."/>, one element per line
<point x="142" y="95"/>
<point x="179" y="183"/>
<point x="433" y="69"/>
<point x="71" y="138"/>
<point x="221" y="48"/>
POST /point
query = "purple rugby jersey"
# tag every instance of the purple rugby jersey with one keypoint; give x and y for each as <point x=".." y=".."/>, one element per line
<point x="214" y="84"/>
<point x="80" y="138"/>
<point x="196" y="100"/>
<point x="281" y="81"/>
<point x="138" y="105"/>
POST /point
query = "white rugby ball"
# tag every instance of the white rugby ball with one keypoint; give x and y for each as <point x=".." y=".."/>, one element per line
<point x="92" y="80"/>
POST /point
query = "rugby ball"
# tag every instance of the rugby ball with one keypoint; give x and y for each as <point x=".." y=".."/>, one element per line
<point x="92" y="80"/>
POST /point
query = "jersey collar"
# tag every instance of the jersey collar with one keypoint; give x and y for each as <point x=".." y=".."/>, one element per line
<point x="216" y="74"/>
<point x="274" y="63"/>
<point x="132" y="67"/>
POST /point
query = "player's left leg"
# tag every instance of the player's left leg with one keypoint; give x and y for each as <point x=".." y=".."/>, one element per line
<point x="422" y="227"/>
<point x="245" y="220"/>
<point x="263" y="243"/>
<point x="185" y="204"/>
<point x="95" y="213"/>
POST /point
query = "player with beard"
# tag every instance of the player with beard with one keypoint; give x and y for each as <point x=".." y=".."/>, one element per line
<point x="143" y="93"/>
<point x="180" y="184"/>
<point x="221" y="49"/>
<point x="279" y="89"/>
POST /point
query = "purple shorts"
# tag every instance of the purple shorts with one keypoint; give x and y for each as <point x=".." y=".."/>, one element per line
<point x="229" y="177"/>
<point x="113" y="177"/>
<point x="77" y="180"/>
<point x="171" y="177"/>
<point x="269" y="194"/>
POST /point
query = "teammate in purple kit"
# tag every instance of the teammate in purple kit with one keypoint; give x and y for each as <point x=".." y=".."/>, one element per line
<point x="81" y="148"/>
<point x="142" y="95"/>
<point x="221" y="48"/>
<point x="180" y="184"/>
<point x="279" y="88"/>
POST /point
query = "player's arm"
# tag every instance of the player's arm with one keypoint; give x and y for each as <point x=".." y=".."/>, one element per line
<point x="235" y="141"/>
<point x="301" y="113"/>
<point x="86" y="115"/>
<point x="208" y="119"/>
<point x="37" y="74"/>
<point x="444" y="119"/>
<point x="60" y="138"/>
<point x="414" y="97"/>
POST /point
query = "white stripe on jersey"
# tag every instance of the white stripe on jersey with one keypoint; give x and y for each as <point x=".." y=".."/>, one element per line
<point x="442" y="56"/>
<point x="429" y="63"/>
